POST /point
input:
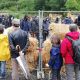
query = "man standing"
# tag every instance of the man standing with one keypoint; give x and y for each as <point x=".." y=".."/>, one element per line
<point x="67" y="53"/>
<point x="25" y="24"/>
<point x="35" y="27"/>
<point x="17" y="37"/>
<point x="46" y="23"/>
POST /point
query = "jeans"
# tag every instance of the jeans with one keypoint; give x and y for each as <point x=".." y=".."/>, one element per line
<point x="73" y="71"/>
<point x="56" y="74"/>
<point x="2" y="68"/>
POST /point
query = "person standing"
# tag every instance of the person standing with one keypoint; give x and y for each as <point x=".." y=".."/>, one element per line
<point x="4" y="52"/>
<point x="35" y="27"/>
<point x="67" y="54"/>
<point x="17" y="37"/>
<point x="56" y="61"/>
<point x="78" y="20"/>
<point x="25" y="24"/>
<point x="46" y="23"/>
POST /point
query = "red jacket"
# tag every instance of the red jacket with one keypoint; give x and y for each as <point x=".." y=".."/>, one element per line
<point x="66" y="47"/>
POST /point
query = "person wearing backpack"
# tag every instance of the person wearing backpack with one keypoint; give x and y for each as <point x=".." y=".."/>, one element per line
<point x="68" y="51"/>
<point x="55" y="61"/>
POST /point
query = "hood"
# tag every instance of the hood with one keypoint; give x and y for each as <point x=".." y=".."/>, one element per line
<point x="73" y="35"/>
<point x="55" y="50"/>
<point x="3" y="37"/>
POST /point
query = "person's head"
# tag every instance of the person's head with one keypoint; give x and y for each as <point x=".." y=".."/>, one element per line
<point x="16" y="22"/>
<point x="1" y="28"/>
<point x="73" y="27"/>
<point x="26" y="17"/>
<point x="55" y="39"/>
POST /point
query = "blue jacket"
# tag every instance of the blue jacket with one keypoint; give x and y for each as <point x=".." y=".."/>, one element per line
<point x="46" y="24"/>
<point x="68" y="21"/>
<point x="55" y="61"/>
<point x="25" y="25"/>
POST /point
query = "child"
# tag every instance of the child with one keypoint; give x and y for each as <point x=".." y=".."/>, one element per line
<point x="55" y="61"/>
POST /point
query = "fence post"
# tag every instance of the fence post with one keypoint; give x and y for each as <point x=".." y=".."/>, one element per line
<point x="40" y="73"/>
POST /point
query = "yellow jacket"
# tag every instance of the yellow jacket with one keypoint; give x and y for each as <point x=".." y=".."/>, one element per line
<point x="4" y="48"/>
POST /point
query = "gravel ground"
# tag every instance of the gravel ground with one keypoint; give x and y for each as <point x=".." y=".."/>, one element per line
<point x="33" y="75"/>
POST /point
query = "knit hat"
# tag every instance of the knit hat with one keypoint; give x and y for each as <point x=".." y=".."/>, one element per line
<point x="16" y="21"/>
<point x="73" y="27"/>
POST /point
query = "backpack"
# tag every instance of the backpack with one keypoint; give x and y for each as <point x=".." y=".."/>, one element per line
<point x="75" y="48"/>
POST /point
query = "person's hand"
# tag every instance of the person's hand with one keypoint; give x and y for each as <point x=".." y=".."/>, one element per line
<point x="21" y="53"/>
<point x="47" y="65"/>
<point x="18" y="48"/>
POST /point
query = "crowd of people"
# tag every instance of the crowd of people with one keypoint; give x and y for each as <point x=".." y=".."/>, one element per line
<point x="28" y="24"/>
<point x="18" y="36"/>
<point x="68" y="20"/>
<point x="32" y="26"/>
<point x="6" y="20"/>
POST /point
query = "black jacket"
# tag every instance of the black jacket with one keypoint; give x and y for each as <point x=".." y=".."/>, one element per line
<point x="18" y="37"/>
<point x="34" y="26"/>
